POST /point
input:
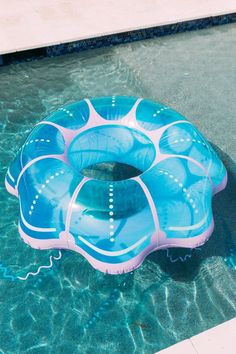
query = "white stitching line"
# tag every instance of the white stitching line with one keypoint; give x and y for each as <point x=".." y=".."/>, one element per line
<point x="111" y="220"/>
<point x="66" y="111"/>
<point x="34" y="141"/>
<point x="34" y="202"/>
<point x="113" y="253"/>
<point x="159" y="110"/>
<point x="184" y="190"/>
<point x="188" y="139"/>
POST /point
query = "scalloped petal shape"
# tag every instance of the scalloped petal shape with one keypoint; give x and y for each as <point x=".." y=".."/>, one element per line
<point x="115" y="224"/>
<point x="113" y="108"/>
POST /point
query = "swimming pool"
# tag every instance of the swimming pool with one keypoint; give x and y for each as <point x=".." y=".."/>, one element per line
<point x="73" y="308"/>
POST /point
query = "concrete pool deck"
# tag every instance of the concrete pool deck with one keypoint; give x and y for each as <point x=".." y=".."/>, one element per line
<point x="37" y="24"/>
<point x="217" y="340"/>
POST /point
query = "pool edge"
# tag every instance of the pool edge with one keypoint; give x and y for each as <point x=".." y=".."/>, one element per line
<point x="107" y="40"/>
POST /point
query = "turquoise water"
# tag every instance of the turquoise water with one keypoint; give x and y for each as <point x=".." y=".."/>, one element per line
<point x="73" y="308"/>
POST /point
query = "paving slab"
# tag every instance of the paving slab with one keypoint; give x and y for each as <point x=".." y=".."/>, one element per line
<point x="28" y="24"/>
<point x="217" y="340"/>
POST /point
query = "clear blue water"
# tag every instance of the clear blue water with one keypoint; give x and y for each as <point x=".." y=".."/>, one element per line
<point x="73" y="308"/>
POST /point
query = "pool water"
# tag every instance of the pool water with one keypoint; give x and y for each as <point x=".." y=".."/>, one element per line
<point x="173" y="295"/>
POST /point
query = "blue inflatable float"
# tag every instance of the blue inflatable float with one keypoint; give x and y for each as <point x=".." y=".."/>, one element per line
<point x="115" y="178"/>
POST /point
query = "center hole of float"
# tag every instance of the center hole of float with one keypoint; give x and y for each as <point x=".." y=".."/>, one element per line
<point x="111" y="153"/>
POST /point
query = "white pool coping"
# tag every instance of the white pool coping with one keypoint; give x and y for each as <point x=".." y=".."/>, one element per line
<point x="217" y="340"/>
<point x="28" y="24"/>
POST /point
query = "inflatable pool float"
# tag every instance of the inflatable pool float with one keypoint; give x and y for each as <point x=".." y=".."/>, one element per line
<point x="115" y="178"/>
